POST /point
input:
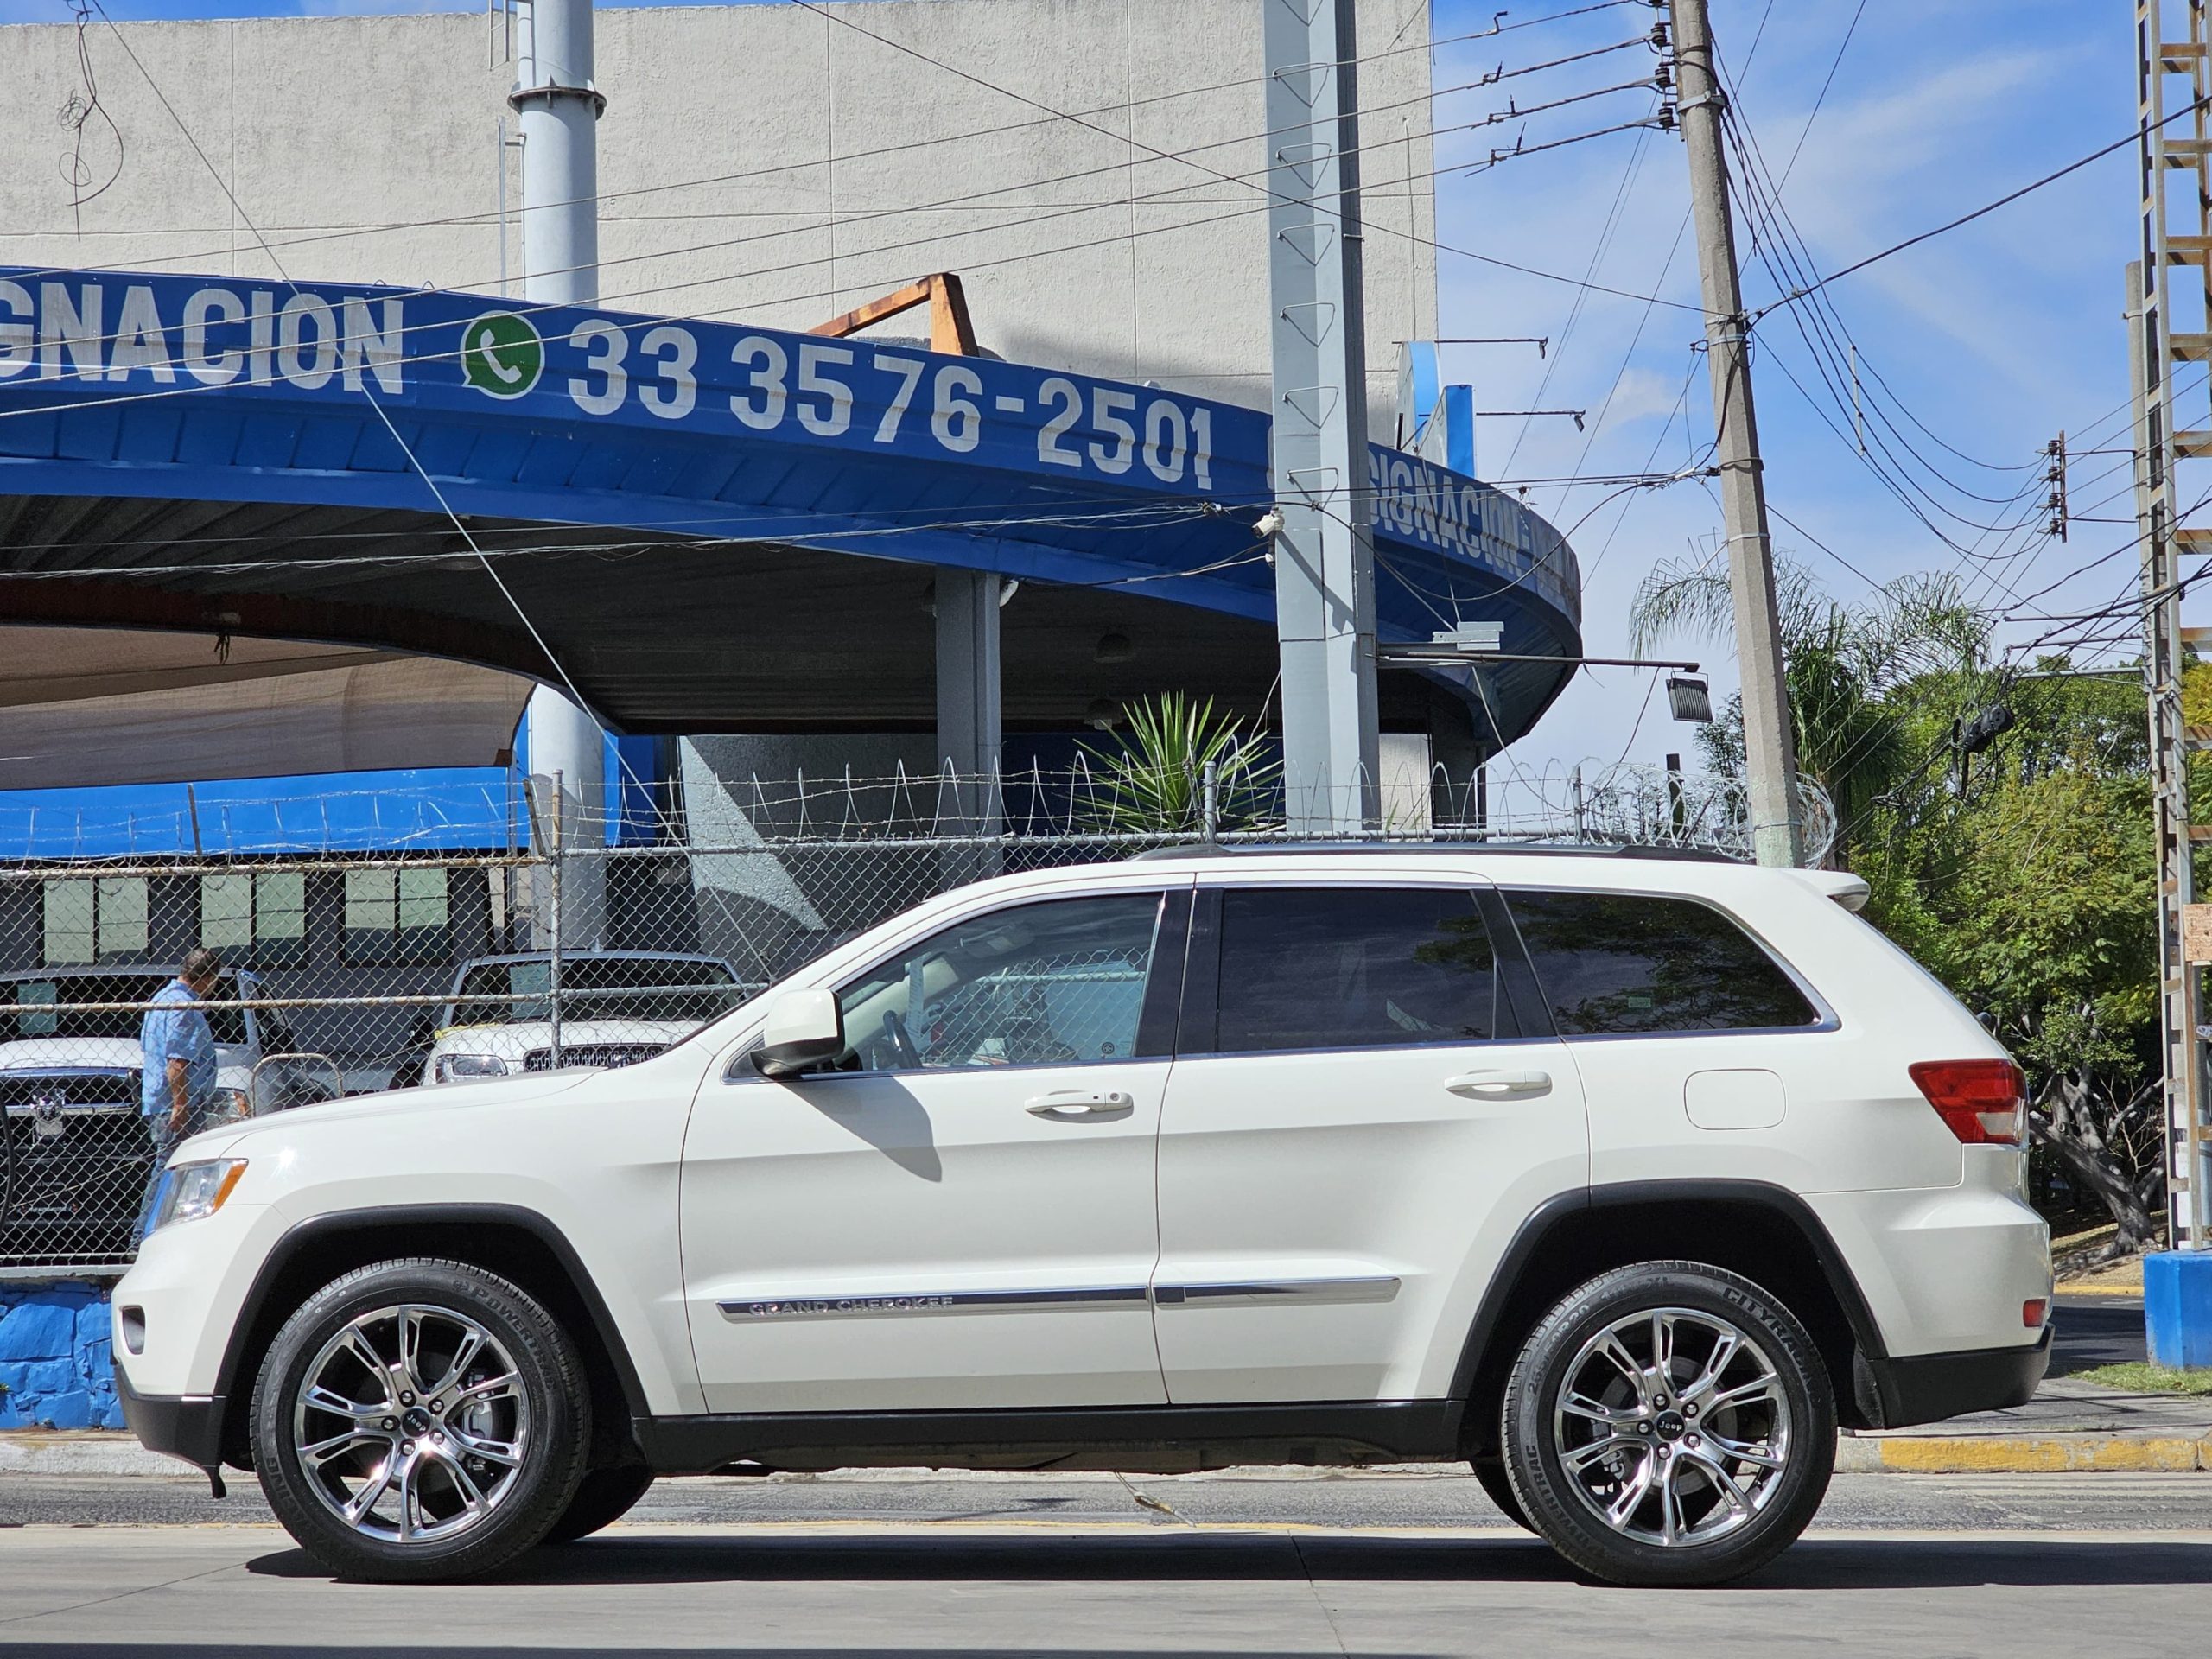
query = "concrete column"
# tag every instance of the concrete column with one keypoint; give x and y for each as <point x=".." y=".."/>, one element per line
<point x="968" y="692"/>
<point x="559" y="109"/>
<point x="1324" y="553"/>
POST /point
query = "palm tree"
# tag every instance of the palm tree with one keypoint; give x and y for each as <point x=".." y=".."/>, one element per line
<point x="1841" y="661"/>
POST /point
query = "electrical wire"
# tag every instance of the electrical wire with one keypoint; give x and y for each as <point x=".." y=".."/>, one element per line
<point x="2006" y="200"/>
<point x="933" y="240"/>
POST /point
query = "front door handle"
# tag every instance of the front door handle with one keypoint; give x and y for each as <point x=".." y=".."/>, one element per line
<point x="1499" y="1085"/>
<point x="1078" y="1103"/>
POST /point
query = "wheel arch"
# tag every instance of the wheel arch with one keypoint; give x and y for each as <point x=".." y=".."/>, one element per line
<point x="1766" y="1233"/>
<point x="515" y="1242"/>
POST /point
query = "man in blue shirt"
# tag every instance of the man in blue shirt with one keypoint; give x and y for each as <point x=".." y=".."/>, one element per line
<point x="177" y="1065"/>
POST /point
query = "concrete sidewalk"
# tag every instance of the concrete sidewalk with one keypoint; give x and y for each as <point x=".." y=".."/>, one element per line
<point x="2070" y="1424"/>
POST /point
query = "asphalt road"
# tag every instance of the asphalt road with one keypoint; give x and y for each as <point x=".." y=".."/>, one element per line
<point x="1286" y="1565"/>
<point x="2092" y="1331"/>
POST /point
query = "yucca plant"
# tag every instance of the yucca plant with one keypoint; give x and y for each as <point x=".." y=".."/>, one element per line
<point x="1154" y="781"/>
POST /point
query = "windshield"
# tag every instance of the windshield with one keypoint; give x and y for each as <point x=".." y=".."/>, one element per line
<point x="36" y="1016"/>
<point x="597" y="987"/>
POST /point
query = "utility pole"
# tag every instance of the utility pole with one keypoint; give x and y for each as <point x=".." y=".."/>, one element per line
<point x="1769" y="747"/>
<point x="2169" y="308"/>
<point x="1324" y="551"/>
<point x="558" y="108"/>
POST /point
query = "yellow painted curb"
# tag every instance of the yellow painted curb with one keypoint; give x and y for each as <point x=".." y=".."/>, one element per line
<point x="1932" y="1455"/>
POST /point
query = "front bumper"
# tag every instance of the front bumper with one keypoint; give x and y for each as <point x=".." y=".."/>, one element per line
<point x="1928" y="1387"/>
<point x="180" y="1426"/>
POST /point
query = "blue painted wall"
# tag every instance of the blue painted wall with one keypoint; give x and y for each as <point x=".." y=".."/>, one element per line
<point x="54" y="1369"/>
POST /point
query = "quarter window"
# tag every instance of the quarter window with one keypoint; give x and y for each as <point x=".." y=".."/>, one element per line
<point x="1034" y="985"/>
<point x="1353" y="967"/>
<point x="1630" y="962"/>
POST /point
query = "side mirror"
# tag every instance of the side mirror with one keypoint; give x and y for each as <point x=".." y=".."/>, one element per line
<point x="805" y="1028"/>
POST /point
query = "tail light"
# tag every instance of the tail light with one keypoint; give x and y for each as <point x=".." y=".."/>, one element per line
<point x="1984" y="1102"/>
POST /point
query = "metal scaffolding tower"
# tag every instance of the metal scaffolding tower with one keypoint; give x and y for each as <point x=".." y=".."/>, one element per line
<point x="2170" y="324"/>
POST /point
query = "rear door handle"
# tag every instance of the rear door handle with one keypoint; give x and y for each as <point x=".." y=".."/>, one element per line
<point x="1077" y="1103"/>
<point x="1499" y="1085"/>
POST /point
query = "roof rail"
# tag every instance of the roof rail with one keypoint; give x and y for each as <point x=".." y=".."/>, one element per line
<point x="1487" y="849"/>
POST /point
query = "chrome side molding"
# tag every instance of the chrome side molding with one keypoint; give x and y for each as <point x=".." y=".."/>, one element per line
<point x="1262" y="1293"/>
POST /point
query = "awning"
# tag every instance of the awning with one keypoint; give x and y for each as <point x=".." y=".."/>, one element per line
<point x="82" y="707"/>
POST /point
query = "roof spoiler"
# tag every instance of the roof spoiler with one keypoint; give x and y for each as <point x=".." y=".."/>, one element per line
<point x="1848" y="890"/>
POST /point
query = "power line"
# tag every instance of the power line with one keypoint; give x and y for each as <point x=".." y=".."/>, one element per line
<point x="2006" y="200"/>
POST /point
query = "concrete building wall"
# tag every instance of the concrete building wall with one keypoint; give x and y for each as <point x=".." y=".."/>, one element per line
<point x="762" y="162"/>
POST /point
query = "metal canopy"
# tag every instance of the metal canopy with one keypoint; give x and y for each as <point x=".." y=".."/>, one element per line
<point x="711" y="527"/>
<point x="90" y="707"/>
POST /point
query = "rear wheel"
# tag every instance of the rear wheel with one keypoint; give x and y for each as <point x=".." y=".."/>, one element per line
<point x="420" y="1420"/>
<point x="605" y="1496"/>
<point x="1669" y="1423"/>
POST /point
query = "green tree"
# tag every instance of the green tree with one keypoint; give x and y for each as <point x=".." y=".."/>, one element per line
<point x="2033" y="899"/>
<point x="1843" y="664"/>
<point x="2015" y="860"/>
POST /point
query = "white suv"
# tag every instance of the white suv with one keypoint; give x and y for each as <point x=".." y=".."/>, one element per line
<point x="1627" y="1178"/>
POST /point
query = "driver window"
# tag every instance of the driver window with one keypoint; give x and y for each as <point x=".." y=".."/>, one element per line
<point x="1056" y="981"/>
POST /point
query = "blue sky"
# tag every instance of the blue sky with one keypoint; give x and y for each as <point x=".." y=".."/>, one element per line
<point x="1983" y="343"/>
<point x="1995" y="336"/>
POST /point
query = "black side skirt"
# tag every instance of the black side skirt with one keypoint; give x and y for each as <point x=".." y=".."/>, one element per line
<point x="1210" y="1436"/>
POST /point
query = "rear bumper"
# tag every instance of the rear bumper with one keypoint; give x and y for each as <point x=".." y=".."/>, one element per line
<point x="1928" y="1387"/>
<point x="181" y="1426"/>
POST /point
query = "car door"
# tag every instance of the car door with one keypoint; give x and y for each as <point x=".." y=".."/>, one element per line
<point x="1358" y="1121"/>
<point x="960" y="1211"/>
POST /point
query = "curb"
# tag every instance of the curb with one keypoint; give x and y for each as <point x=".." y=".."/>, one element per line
<point x="2045" y="1454"/>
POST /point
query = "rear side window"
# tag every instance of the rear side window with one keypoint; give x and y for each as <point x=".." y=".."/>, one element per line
<point x="1629" y="963"/>
<point x="1353" y="967"/>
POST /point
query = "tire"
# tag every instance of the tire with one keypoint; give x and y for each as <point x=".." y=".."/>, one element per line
<point x="493" y="1403"/>
<point x="605" y="1496"/>
<point x="1497" y="1486"/>
<point x="1649" y="1509"/>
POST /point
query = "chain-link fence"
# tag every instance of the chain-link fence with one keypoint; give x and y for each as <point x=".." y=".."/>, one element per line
<point x="352" y="971"/>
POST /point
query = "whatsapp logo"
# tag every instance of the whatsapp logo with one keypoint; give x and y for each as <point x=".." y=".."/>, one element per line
<point x="501" y="354"/>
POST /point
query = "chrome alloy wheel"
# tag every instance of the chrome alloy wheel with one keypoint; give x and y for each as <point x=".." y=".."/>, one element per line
<point x="1672" y="1426"/>
<point x="411" y="1424"/>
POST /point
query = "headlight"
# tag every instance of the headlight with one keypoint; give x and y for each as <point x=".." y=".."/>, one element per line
<point x="194" y="1192"/>
<point x="230" y="1103"/>
<point x="453" y="1067"/>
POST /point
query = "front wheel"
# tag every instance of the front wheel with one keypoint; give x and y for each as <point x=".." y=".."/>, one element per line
<point x="1669" y="1423"/>
<point x="420" y="1420"/>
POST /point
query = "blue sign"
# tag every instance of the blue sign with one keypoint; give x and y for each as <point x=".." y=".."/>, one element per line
<point x="82" y="342"/>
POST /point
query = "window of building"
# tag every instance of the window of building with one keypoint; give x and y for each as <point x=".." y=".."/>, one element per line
<point x="1353" y="967"/>
<point x="1059" y="980"/>
<point x="1629" y="963"/>
<point x="398" y="915"/>
<point x="259" y="917"/>
<point x="102" y="919"/>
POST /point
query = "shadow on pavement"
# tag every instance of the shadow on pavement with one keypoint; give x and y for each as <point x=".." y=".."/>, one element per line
<point x="1821" y="1564"/>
